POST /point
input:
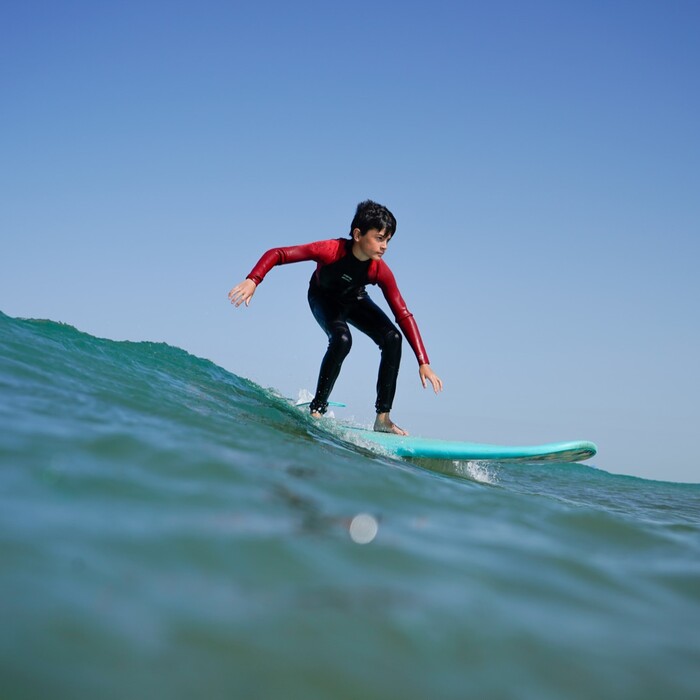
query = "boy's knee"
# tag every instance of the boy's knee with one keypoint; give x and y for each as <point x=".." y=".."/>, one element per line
<point x="392" y="340"/>
<point x="341" y="342"/>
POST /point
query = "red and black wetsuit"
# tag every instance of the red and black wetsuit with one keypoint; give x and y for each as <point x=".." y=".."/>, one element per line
<point x="337" y="296"/>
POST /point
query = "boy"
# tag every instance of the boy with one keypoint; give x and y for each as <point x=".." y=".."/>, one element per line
<point x="337" y="296"/>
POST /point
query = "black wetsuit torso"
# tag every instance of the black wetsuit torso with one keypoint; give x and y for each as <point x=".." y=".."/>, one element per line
<point x="344" y="279"/>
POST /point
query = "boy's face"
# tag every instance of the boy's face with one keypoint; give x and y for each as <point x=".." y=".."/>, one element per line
<point x="371" y="246"/>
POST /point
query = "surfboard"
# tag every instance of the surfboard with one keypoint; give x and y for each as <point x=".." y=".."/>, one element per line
<point x="428" y="448"/>
<point x="409" y="446"/>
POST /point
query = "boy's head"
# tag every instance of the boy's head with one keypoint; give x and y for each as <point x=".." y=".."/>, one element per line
<point x="370" y="215"/>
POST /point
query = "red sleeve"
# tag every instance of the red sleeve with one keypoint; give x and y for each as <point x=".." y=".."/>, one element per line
<point x="320" y="251"/>
<point x="387" y="283"/>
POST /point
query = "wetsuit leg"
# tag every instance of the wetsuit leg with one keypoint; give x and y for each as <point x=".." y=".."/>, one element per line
<point x="331" y="316"/>
<point x="367" y="317"/>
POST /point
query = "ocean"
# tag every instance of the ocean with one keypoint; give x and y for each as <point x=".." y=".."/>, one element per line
<point x="171" y="530"/>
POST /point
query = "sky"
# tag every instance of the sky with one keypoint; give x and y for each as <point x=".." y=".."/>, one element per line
<point x="542" y="159"/>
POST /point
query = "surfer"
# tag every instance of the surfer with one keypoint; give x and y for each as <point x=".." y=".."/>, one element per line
<point x="337" y="297"/>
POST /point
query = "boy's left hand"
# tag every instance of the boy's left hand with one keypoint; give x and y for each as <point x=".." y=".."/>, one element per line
<point x="426" y="373"/>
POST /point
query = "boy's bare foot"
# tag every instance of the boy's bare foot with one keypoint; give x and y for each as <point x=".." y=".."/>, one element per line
<point x="384" y="424"/>
<point x="316" y="414"/>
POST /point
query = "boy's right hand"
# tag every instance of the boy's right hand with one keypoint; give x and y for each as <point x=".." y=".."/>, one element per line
<point x="242" y="292"/>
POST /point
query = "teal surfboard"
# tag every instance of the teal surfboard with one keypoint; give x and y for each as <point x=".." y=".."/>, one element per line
<point x="427" y="448"/>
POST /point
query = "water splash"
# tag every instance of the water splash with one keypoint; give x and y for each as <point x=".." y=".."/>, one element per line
<point x="483" y="472"/>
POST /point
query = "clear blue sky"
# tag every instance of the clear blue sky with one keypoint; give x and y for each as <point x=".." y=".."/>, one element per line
<point x="542" y="159"/>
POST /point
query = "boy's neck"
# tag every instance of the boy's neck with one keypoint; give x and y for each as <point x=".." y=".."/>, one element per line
<point x="357" y="252"/>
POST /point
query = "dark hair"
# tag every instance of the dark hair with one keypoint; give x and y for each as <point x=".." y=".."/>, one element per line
<point x="371" y="215"/>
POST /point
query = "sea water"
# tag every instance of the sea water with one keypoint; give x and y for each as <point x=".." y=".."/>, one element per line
<point x="171" y="530"/>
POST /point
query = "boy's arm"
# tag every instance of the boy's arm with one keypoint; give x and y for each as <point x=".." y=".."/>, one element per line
<point x="408" y="325"/>
<point x="319" y="251"/>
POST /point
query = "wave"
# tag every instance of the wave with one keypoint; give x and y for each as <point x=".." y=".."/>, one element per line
<point x="168" y="527"/>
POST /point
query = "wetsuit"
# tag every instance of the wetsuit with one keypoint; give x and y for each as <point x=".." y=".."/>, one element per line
<point x="337" y="296"/>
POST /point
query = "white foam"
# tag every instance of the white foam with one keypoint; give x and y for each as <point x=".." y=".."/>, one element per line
<point x="477" y="471"/>
<point x="304" y="396"/>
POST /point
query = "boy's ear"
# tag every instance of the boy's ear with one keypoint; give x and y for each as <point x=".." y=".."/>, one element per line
<point x="356" y="234"/>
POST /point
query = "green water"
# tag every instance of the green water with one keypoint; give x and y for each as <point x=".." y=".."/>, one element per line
<point x="171" y="530"/>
